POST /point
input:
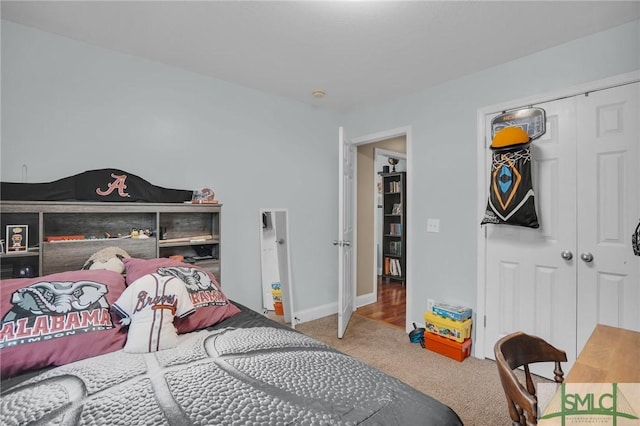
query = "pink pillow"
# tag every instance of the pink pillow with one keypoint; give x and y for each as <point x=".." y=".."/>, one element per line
<point x="212" y="306"/>
<point x="58" y="319"/>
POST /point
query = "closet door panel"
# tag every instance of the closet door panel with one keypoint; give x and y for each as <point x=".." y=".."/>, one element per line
<point x="530" y="287"/>
<point x="608" y="209"/>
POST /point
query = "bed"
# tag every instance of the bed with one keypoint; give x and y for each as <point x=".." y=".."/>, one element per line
<point x="242" y="369"/>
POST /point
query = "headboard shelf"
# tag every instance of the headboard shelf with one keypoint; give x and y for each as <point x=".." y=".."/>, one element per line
<point x="91" y="226"/>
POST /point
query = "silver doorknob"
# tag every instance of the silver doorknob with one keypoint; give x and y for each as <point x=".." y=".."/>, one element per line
<point x="586" y="256"/>
<point x="347" y="243"/>
<point x="281" y="241"/>
<point x="566" y="255"/>
<point x="336" y="243"/>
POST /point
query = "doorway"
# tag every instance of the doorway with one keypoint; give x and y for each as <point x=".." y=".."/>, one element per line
<point x="377" y="298"/>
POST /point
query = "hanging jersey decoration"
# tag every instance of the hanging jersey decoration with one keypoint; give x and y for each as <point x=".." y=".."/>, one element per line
<point x="511" y="195"/>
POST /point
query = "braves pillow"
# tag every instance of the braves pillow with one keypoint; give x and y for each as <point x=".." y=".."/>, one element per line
<point x="57" y="319"/>
<point x="149" y="306"/>
<point x="211" y="305"/>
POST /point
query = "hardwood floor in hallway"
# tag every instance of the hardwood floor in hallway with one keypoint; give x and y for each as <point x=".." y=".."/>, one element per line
<point x="391" y="305"/>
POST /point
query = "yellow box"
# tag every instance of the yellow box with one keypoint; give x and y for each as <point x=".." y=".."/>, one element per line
<point x="455" y="330"/>
<point x="276" y="292"/>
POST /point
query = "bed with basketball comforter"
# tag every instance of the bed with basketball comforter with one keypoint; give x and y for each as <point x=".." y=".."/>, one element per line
<point x="243" y="369"/>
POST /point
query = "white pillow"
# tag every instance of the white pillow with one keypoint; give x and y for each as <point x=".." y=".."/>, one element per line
<point x="149" y="305"/>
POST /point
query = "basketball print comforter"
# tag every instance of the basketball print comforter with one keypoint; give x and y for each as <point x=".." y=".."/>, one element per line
<point x="228" y="376"/>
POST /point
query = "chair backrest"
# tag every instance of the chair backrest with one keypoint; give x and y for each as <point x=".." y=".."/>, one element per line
<point x="519" y="350"/>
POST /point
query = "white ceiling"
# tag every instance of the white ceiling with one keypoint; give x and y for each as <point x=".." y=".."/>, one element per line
<point x="359" y="52"/>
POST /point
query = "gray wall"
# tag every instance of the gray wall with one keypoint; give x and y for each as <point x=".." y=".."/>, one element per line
<point x="444" y="148"/>
<point x="69" y="107"/>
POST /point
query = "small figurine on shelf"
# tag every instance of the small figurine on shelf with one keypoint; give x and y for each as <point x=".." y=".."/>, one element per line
<point x="17" y="237"/>
<point x="393" y="162"/>
<point x="140" y="233"/>
<point x="204" y="196"/>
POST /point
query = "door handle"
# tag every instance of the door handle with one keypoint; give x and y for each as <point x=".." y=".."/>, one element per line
<point x="346" y="243"/>
<point x="586" y="256"/>
<point x="281" y="241"/>
<point x="337" y="243"/>
<point x="566" y="255"/>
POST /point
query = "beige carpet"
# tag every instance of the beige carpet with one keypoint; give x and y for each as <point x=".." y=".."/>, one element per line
<point x="472" y="387"/>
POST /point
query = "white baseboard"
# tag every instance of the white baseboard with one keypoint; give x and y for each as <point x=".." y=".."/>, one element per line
<point x="311" y="314"/>
<point x="365" y="299"/>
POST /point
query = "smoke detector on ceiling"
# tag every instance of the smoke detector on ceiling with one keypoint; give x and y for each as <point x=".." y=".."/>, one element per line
<point x="319" y="93"/>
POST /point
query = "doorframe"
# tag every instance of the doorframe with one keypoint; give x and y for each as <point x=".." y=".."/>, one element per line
<point x="483" y="177"/>
<point x="405" y="131"/>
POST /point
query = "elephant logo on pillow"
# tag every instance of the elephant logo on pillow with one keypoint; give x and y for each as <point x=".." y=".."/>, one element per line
<point x="202" y="290"/>
<point x="45" y="310"/>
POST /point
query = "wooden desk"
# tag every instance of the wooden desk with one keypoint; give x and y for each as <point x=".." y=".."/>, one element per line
<point x="611" y="355"/>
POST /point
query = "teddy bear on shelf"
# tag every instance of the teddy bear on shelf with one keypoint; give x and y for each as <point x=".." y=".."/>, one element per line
<point x="109" y="258"/>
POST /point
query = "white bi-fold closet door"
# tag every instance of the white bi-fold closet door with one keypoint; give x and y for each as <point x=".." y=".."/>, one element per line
<point x="578" y="269"/>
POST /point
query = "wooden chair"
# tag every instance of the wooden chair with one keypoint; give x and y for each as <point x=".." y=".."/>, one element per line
<point x="519" y="350"/>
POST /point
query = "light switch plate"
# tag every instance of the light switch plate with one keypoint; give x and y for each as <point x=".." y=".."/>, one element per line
<point x="433" y="225"/>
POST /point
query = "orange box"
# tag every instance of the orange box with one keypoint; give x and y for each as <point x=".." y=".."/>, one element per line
<point x="447" y="347"/>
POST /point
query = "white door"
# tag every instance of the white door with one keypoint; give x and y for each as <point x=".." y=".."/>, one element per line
<point x="530" y="286"/>
<point x="346" y="226"/>
<point x="609" y="158"/>
<point x="578" y="268"/>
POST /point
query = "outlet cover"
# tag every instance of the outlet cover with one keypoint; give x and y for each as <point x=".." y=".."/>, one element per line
<point x="433" y="225"/>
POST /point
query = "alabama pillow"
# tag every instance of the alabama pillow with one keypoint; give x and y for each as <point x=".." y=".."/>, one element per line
<point x="211" y="305"/>
<point x="58" y="318"/>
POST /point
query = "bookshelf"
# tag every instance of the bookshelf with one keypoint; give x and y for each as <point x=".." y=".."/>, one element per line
<point x="189" y="230"/>
<point x="394" y="207"/>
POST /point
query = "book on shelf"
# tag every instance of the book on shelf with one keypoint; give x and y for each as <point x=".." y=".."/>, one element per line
<point x="394" y="186"/>
<point x="392" y="267"/>
<point x="395" y="248"/>
<point x="395" y="229"/>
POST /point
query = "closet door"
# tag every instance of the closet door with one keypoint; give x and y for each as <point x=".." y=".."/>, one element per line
<point x="608" y="273"/>
<point x="578" y="269"/>
<point x="530" y="286"/>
